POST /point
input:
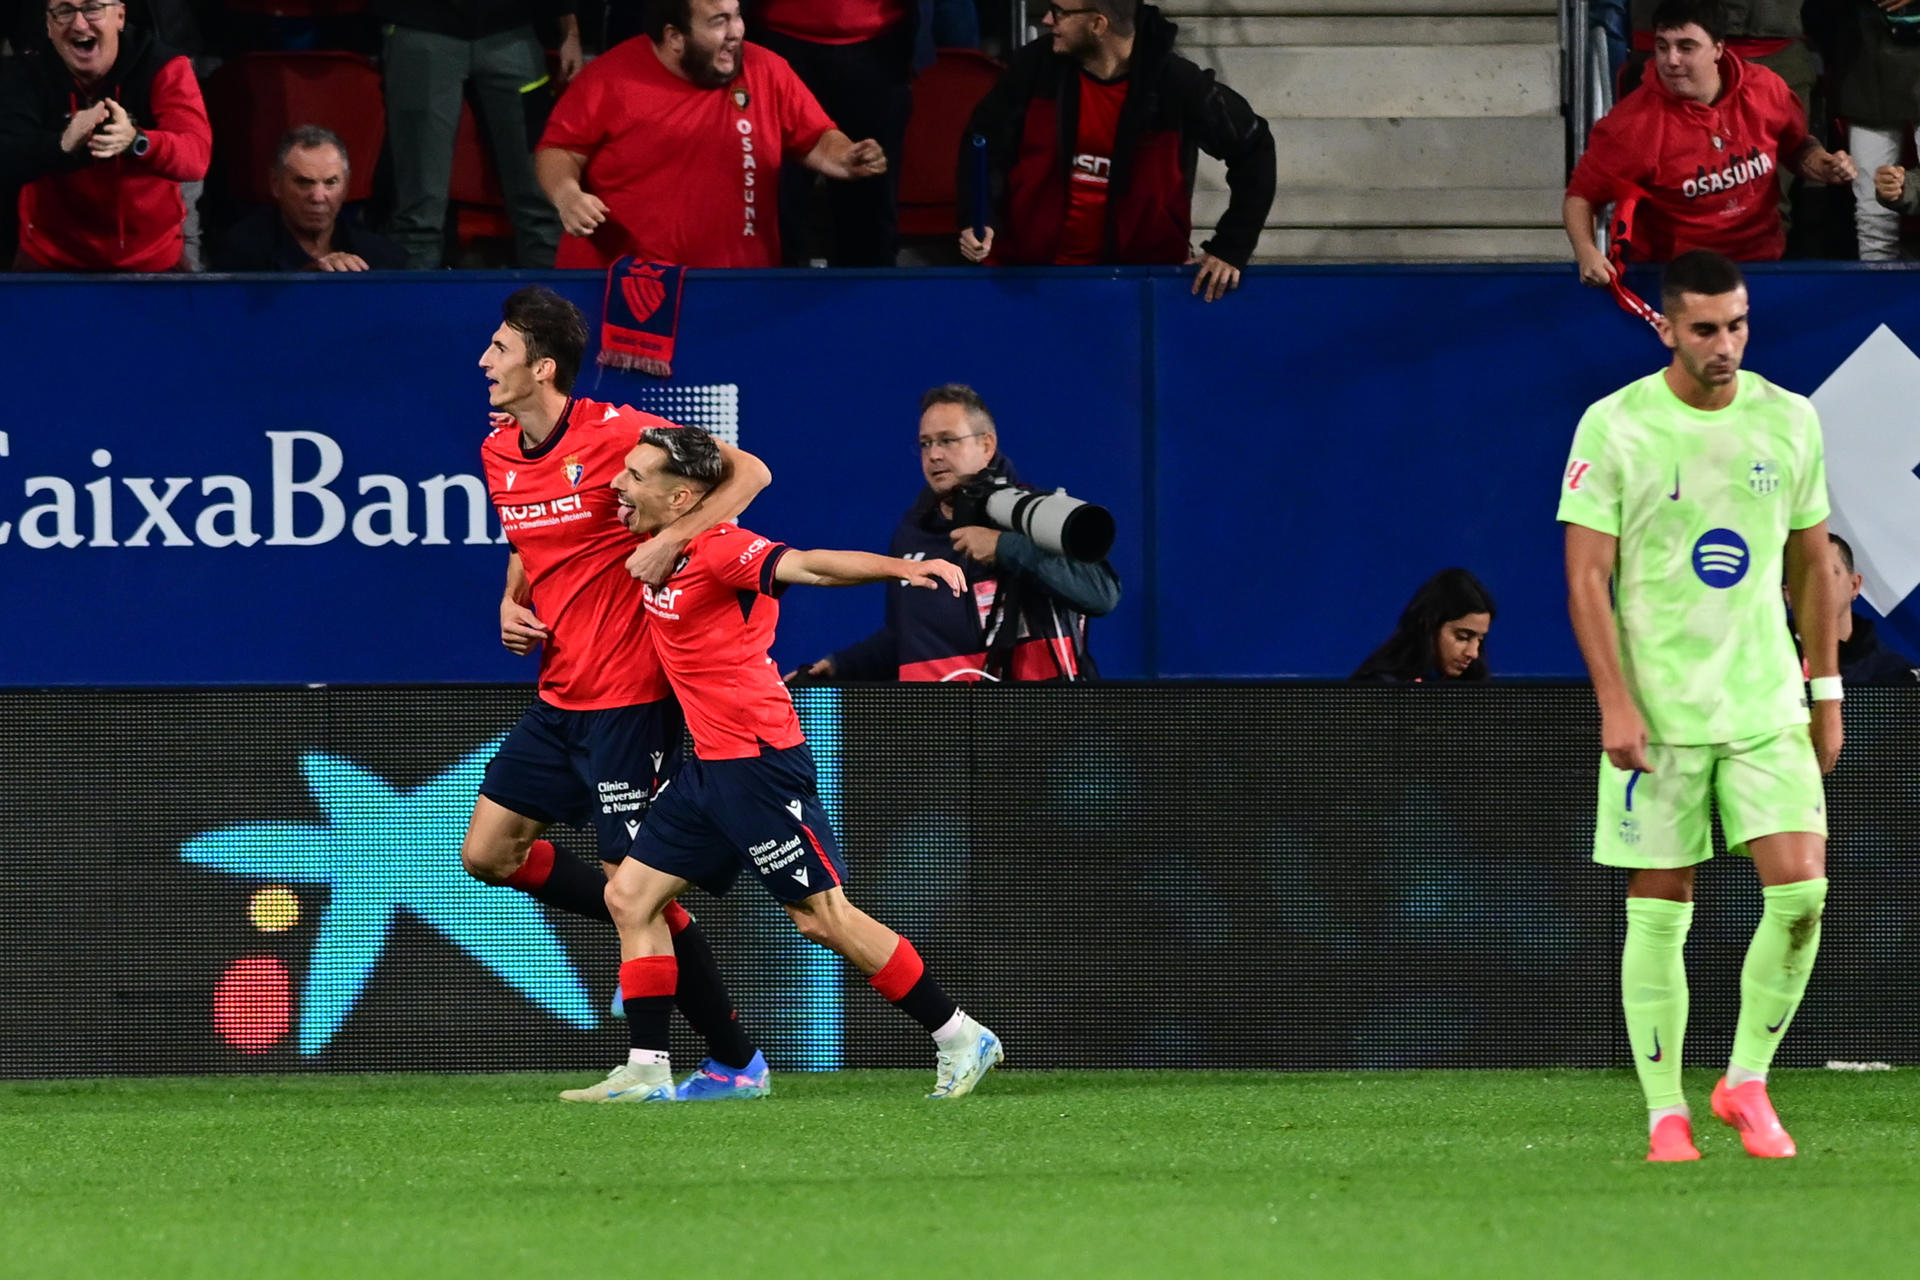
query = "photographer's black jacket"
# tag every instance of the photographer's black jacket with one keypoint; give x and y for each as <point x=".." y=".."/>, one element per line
<point x="932" y="635"/>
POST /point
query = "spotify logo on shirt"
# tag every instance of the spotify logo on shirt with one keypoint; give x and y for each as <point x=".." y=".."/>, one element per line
<point x="1720" y="558"/>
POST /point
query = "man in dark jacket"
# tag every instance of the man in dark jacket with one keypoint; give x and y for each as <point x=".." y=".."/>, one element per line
<point x="1092" y="138"/>
<point x="99" y="135"/>
<point x="434" y="49"/>
<point x="1025" y="613"/>
<point x="304" y="231"/>
<point x="1863" y="660"/>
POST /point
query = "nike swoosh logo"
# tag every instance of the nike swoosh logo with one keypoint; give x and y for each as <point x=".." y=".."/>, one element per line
<point x="1774" y="1027"/>
<point x="1655" y="1055"/>
<point x="1675" y="495"/>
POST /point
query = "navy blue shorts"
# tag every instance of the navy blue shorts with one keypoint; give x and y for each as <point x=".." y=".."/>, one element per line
<point x="722" y="816"/>
<point x="588" y="767"/>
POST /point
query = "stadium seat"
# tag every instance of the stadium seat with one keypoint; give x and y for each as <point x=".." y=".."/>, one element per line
<point x="296" y="8"/>
<point x="944" y="97"/>
<point x="257" y="97"/>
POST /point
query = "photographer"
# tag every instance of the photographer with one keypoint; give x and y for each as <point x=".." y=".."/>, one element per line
<point x="1025" y="614"/>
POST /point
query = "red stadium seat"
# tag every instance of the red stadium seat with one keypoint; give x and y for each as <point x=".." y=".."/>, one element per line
<point x="297" y="8"/>
<point x="257" y="97"/>
<point x="944" y="97"/>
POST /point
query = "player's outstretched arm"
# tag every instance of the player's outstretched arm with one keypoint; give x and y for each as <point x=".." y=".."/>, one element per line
<point x="1817" y="603"/>
<point x="857" y="568"/>
<point x="653" y="561"/>
<point x="1623" y="731"/>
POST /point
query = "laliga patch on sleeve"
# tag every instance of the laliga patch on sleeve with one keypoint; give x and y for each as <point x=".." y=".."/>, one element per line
<point x="1577" y="473"/>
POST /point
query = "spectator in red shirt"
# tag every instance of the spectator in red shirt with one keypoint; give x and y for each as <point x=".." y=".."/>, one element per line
<point x="670" y="147"/>
<point x="100" y="137"/>
<point x="1698" y="146"/>
<point x="1092" y="138"/>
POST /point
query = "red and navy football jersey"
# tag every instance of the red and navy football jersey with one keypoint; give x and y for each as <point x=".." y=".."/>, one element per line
<point x="561" y="516"/>
<point x="712" y="624"/>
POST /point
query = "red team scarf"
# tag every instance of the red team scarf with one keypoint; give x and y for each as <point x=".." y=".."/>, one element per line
<point x="640" y="318"/>
<point x="1617" y="245"/>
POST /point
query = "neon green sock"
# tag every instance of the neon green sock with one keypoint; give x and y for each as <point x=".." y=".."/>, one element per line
<point x="1779" y="962"/>
<point x="1653" y="991"/>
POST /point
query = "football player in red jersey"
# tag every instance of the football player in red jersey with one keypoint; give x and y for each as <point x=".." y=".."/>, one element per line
<point x="749" y="798"/>
<point x="604" y="733"/>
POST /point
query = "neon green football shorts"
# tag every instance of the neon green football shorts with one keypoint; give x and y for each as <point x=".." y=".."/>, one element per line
<point x="1664" y="819"/>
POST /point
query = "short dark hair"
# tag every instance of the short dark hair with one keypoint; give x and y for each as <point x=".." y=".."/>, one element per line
<point x="1700" y="271"/>
<point x="1846" y="552"/>
<point x="1119" y="14"/>
<point x="692" y="454"/>
<point x="303" y="137"/>
<point x="661" y="14"/>
<point x="966" y="397"/>
<point x="552" y="328"/>
<point x="1671" y="15"/>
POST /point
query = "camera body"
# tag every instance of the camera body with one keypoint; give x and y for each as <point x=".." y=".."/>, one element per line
<point x="1056" y="522"/>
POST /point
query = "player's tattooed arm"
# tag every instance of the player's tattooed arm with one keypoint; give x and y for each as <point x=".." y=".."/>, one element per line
<point x="856" y="568"/>
<point x="1623" y="730"/>
<point x="1813" y="581"/>
<point x="653" y="561"/>
<point x="520" y="631"/>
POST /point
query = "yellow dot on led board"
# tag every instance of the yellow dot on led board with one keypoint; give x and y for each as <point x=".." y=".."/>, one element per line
<point x="274" y="909"/>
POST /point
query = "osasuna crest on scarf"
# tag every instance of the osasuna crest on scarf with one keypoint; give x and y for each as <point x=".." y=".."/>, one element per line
<point x="740" y="98"/>
<point x="643" y="290"/>
<point x="574" y="470"/>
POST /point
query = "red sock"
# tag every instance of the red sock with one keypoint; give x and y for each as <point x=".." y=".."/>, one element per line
<point x="534" y="871"/>
<point x="905" y="984"/>
<point x="646" y="996"/>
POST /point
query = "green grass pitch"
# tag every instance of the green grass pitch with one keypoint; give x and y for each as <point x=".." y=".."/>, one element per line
<point x="1164" y="1174"/>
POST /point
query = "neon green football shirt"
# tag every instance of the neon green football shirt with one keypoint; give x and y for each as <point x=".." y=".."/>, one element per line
<point x="1702" y="502"/>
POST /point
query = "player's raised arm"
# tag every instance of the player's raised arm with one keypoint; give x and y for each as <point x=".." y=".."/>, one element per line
<point x="745" y="476"/>
<point x="1817" y="606"/>
<point x="857" y="568"/>
<point x="1590" y="559"/>
<point x="520" y="630"/>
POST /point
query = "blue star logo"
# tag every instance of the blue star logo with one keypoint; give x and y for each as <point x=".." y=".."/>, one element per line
<point x="380" y="850"/>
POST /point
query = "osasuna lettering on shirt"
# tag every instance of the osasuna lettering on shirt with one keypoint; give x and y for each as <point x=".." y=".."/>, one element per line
<point x="1707" y="172"/>
<point x="564" y="522"/>
<point x="712" y="624"/>
<point x="1083" y="238"/>
<point x="689" y="174"/>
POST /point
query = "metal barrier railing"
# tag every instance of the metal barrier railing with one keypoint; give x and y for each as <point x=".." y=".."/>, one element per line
<point x="1586" y="83"/>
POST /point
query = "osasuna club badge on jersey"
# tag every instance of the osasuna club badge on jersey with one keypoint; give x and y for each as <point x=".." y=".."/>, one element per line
<point x="740" y="98"/>
<point x="575" y="472"/>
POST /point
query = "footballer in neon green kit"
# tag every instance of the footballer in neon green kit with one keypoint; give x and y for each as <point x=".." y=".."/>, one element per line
<point x="1685" y="495"/>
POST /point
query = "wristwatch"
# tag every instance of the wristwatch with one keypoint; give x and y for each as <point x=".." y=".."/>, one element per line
<point x="138" y="147"/>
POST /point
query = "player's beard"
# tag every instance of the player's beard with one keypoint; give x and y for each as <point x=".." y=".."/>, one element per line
<point x="698" y="66"/>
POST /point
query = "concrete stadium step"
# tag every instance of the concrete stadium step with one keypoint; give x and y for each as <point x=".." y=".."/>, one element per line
<point x="1326" y="82"/>
<point x="1399" y="207"/>
<point x="1365" y="30"/>
<point x="1407" y="244"/>
<point x="1181" y="10"/>
<point x="1427" y="154"/>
